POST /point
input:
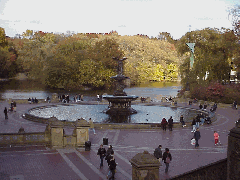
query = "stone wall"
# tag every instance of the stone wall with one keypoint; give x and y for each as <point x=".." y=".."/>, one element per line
<point x="216" y="171"/>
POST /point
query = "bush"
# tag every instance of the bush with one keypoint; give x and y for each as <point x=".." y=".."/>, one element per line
<point x="217" y="92"/>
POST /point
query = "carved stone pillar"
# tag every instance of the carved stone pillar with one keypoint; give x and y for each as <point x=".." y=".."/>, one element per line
<point x="233" y="154"/>
<point x="145" y="166"/>
<point x="81" y="132"/>
<point x="56" y="131"/>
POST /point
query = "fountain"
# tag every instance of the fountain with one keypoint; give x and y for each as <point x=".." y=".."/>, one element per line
<point x="120" y="103"/>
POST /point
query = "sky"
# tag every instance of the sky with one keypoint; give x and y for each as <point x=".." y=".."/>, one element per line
<point x="127" y="17"/>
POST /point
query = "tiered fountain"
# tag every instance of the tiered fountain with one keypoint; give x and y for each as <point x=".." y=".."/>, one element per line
<point x="120" y="103"/>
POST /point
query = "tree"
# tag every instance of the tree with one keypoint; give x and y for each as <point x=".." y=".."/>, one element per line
<point x="213" y="52"/>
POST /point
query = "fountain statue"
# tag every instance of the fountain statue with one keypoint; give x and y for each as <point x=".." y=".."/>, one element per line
<point x="120" y="103"/>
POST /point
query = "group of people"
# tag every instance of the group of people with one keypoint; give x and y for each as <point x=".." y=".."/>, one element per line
<point x="64" y="98"/>
<point x="30" y="101"/>
<point x="78" y="98"/>
<point x="166" y="157"/>
<point x="109" y="157"/>
<point x="203" y="107"/>
<point x="197" y="136"/>
<point x="13" y="107"/>
<point x="164" y="123"/>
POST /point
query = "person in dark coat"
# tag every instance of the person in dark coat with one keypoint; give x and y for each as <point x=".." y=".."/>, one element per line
<point x="200" y="106"/>
<point x="235" y="104"/>
<point x="198" y="121"/>
<point x="164" y="124"/>
<point x="101" y="152"/>
<point x="158" y="153"/>
<point x="197" y="136"/>
<point x="170" y="123"/>
<point x="182" y="121"/>
<point x="5" y="112"/>
<point x="108" y="154"/>
<point x="194" y="125"/>
<point x="112" y="167"/>
<point x="166" y="155"/>
<point x="205" y="106"/>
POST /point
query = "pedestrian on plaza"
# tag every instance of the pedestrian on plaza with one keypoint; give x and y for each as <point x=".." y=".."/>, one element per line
<point x="194" y="125"/>
<point x="201" y="118"/>
<point x="14" y="106"/>
<point x="182" y="121"/>
<point x="198" y="121"/>
<point x="167" y="157"/>
<point x="200" y="106"/>
<point x="108" y="154"/>
<point x="67" y="98"/>
<point x="170" y="123"/>
<point x="197" y="136"/>
<point x="101" y="152"/>
<point x="235" y="104"/>
<point x="112" y="168"/>
<point x="164" y="124"/>
<point x="91" y="126"/>
<point x="216" y="137"/>
<point x="5" y="112"/>
<point x="205" y="106"/>
<point x="158" y="153"/>
<point x="48" y="99"/>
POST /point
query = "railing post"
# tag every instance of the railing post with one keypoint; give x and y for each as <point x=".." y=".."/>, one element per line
<point x="81" y="132"/>
<point x="56" y="131"/>
<point x="145" y="166"/>
<point x="233" y="153"/>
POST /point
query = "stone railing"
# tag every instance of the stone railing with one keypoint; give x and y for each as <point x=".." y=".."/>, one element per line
<point x="216" y="170"/>
<point x="23" y="138"/>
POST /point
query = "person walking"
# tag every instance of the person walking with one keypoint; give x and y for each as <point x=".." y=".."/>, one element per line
<point x="205" y="106"/>
<point x="109" y="153"/>
<point x="170" y="123"/>
<point x="182" y="121"/>
<point x="235" y="104"/>
<point x="198" y="121"/>
<point x="201" y="119"/>
<point x="158" y="153"/>
<point x="6" y="113"/>
<point x="194" y="125"/>
<point x="101" y="152"/>
<point x="91" y="126"/>
<point x="216" y="137"/>
<point x="112" y="167"/>
<point x="14" y="106"/>
<point x="167" y="157"/>
<point x="200" y="106"/>
<point x="164" y="124"/>
<point x="197" y="136"/>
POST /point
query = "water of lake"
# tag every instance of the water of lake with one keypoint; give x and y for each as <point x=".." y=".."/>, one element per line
<point x="25" y="89"/>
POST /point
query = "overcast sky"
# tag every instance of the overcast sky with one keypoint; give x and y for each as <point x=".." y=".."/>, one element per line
<point x="127" y="17"/>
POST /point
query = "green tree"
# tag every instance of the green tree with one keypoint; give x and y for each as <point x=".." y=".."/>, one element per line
<point x="213" y="52"/>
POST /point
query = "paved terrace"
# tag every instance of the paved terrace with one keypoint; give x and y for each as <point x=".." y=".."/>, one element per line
<point x="38" y="162"/>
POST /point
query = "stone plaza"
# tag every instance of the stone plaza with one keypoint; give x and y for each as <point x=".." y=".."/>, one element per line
<point x="41" y="162"/>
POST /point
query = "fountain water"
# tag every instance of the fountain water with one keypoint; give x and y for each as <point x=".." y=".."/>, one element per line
<point x="120" y="103"/>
